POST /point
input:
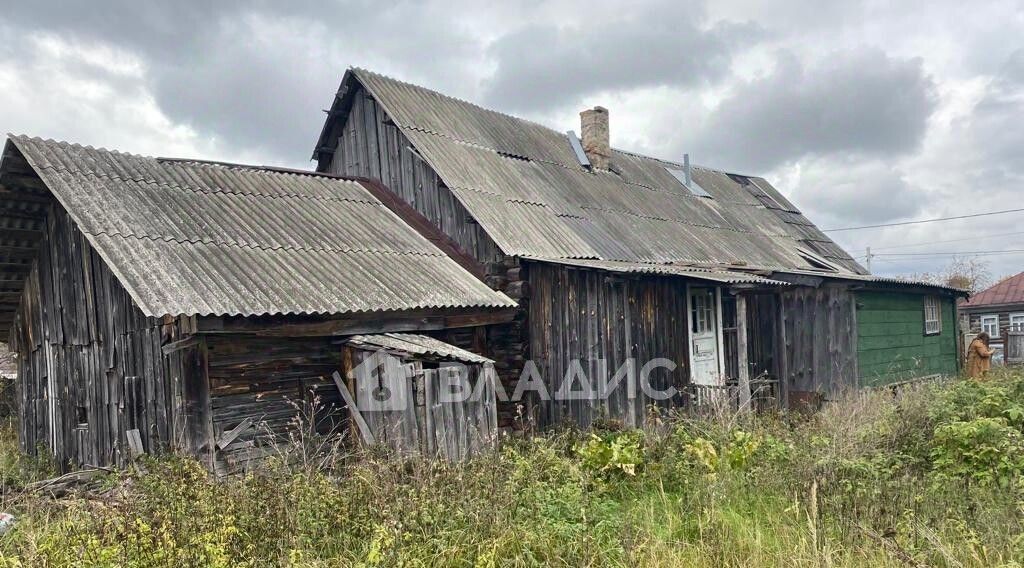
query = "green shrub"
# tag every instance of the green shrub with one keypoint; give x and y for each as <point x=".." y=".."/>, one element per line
<point x="931" y="477"/>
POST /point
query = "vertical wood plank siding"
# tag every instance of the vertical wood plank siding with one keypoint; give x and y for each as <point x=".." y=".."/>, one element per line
<point x="371" y="145"/>
<point x="819" y="342"/>
<point x="589" y="317"/>
<point x="90" y="366"/>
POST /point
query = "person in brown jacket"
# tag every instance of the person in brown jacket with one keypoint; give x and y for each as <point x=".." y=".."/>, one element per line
<point x="979" y="356"/>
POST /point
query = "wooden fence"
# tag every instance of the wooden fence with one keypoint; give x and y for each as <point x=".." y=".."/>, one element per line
<point x="1013" y="349"/>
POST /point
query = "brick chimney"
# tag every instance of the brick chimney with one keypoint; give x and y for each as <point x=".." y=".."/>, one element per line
<point x="594" y="124"/>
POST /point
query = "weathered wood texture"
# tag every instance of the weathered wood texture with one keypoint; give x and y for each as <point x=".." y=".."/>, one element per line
<point x="1014" y="351"/>
<point x="434" y="408"/>
<point x="371" y="145"/>
<point x="601" y="322"/>
<point x="818" y="343"/>
<point x="272" y="388"/>
<point x="763" y="335"/>
<point x="89" y="362"/>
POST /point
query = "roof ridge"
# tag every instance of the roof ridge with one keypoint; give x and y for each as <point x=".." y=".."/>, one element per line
<point x="359" y="70"/>
<point x="66" y="144"/>
<point x="362" y="70"/>
<point x="255" y="246"/>
<point x="217" y="190"/>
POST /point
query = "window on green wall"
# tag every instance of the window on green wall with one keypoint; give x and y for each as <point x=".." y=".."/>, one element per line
<point x="932" y="316"/>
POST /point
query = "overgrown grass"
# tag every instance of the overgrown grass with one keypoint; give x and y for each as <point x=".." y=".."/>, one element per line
<point x="932" y="477"/>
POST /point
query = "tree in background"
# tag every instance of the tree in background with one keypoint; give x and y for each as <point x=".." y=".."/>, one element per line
<point x="967" y="273"/>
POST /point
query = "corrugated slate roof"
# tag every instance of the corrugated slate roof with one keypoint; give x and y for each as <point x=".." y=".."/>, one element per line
<point x="698" y="273"/>
<point x="214" y="239"/>
<point x="416" y="345"/>
<point x="1008" y="291"/>
<point x="523" y="183"/>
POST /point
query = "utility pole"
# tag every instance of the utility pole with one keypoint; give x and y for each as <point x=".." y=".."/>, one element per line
<point x="867" y="258"/>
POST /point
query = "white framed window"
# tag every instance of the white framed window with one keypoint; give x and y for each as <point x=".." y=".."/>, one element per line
<point x="1017" y="321"/>
<point x="932" y="315"/>
<point x="990" y="325"/>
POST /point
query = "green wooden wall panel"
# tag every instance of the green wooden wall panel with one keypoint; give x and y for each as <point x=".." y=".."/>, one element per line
<point x="891" y="344"/>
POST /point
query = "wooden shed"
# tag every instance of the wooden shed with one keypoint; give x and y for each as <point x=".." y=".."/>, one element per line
<point x="617" y="257"/>
<point x="168" y="304"/>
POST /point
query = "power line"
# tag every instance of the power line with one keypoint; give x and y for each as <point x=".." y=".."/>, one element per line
<point x="902" y="223"/>
<point x="979" y="237"/>
<point x="954" y="253"/>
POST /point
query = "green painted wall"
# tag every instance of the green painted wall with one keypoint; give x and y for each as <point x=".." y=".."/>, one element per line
<point x="891" y="344"/>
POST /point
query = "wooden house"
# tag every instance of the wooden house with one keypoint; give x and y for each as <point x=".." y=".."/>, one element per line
<point x="998" y="310"/>
<point x="616" y="256"/>
<point x="168" y="304"/>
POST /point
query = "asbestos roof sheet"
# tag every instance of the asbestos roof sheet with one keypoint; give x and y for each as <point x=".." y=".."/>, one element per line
<point x="201" y="238"/>
<point x="1008" y="291"/>
<point x="523" y="183"/>
<point x="695" y="272"/>
<point x="416" y="345"/>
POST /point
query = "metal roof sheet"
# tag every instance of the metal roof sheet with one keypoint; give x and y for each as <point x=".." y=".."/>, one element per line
<point x="523" y="183"/>
<point x="1007" y="291"/>
<point x="416" y="345"/>
<point x="695" y="272"/>
<point x="208" y="239"/>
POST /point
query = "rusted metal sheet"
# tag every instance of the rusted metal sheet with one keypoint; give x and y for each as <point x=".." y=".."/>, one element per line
<point x="210" y="239"/>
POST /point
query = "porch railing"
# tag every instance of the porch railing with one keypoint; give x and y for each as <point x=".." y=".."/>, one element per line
<point x="764" y="395"/>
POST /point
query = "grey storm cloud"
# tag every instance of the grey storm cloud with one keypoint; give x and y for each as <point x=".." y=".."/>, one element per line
<point x="849" y="190"/>
<point x="255" y="75"/>
<point x="543" y="67"/>
<point x="860" y="101"/>
<point x="994" y="126"/>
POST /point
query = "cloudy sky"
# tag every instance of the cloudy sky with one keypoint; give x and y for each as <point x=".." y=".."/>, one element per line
<point x="864" y="112"/>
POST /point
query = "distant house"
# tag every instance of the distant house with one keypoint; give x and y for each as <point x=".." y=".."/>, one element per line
<point x="997" y="310"/>
<point x="617" y="256"/>
<point x="158" y="304"/>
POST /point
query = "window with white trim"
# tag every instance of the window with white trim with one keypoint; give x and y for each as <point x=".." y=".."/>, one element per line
<point x="932" y="316"/>
<point x="1017" y="321"/>
<point x="990" y="325"/>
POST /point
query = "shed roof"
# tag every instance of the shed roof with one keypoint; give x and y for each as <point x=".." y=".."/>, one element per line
<point x="523" y="183"/>
<point x="203" y="238"/>
<point x="416" y="345"/>
<point x="1007" y="291"/>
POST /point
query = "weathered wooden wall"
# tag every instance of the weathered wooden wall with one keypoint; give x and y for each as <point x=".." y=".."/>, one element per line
<point x="818" y="342"/>
<point x="426" y="421"/>
<point x="763" y="335"/>
<point x="90" y="364"/>
<point x="371" y="145"/>
<point x="263" y="389"/>
<point x="588" y="316"/>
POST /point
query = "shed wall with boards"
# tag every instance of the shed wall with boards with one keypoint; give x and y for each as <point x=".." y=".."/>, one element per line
<point x="892" y="345"/>
<point x="817" y="343"/>
<point x="588" y="316"/>
<point x="101" y="383"/>
<point x="371" y="145"/>
<point x="94" y="386"/>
